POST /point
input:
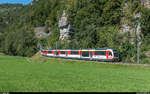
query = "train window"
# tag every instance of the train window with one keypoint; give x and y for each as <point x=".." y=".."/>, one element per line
<point x="100" y="53"/>
<point x="110" y="54"/>
<point x="74" y="52"/>
<point x="49" y="52"/>
<point x="62" y="52"/>
<point x="85" y="53"/>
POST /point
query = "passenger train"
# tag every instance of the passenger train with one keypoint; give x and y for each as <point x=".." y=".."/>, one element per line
<point x="103" y="54"/>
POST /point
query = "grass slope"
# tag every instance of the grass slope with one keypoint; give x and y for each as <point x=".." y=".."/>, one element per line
<point x="17" y="74"/>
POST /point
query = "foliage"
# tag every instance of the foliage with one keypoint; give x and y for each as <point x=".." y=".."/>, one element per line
<point x="95" y="24"/>
<point x="19" y="43"/>
<point x="87" y="18"/>
<point x="107" y="37"/>
<point x="18" y="38"/>
<point x="145" y="22"/>
<point x="54" y="37"/>
<point x="128" y="52"/>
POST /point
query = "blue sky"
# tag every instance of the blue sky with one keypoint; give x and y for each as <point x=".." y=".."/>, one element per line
<point x="16" y="1"/>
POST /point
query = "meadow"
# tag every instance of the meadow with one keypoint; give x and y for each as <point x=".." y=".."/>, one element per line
<point x="38" y="74"/>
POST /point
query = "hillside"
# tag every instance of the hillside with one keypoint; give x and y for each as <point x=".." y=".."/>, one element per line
<point x="6" y="14"/>
<point x="94" y="24"/>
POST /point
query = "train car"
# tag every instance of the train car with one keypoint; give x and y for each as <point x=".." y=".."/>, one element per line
<point x="104" y="54"/>
<point x="44" y="52"/>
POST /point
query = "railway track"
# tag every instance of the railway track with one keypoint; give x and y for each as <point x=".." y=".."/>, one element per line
<point x="120" y="63"/>
<point x="126" y="63"/>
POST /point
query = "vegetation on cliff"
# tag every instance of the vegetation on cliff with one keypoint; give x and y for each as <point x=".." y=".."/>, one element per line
<point x="95" y="24"/>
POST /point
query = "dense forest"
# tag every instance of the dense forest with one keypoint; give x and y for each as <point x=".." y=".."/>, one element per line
<point x="95" y="24"/>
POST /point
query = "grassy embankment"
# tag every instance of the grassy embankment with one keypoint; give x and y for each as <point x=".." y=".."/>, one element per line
<point x="18" y="74"/>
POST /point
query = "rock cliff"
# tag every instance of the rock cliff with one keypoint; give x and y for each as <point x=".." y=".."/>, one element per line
<point x="146" y="3"/>
<point x="42" y="32"/>
<point x="64" y="27"/>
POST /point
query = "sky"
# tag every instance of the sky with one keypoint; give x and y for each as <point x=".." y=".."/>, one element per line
<point x="24" y="2"/>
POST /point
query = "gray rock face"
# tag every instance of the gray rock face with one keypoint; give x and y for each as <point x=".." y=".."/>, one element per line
<point x="63" y="21"/>
<point x="147" y="54"/>
<point x="64" y="27"/>
<point x="42" y="32"/>
<point x="127" y="28"/>
<point x="146" y="3"/>
<point x="132" y="27"/>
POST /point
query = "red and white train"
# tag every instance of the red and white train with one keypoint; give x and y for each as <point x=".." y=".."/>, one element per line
<point x="103" y="54"/>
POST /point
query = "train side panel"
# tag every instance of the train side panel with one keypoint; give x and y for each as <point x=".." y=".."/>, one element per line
<point x="74" y="54"/>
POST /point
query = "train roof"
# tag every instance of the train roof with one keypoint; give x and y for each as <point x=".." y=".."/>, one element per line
<point x="84" y="49"/>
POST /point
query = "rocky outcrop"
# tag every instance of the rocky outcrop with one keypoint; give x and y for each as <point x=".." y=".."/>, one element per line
<point x="65" y="27"/>
<point x="63" y="21"/>
<point x="42" y="32"/>
<point x="147" y="54"/>
<point x="127" y="28"/>
<point x="128" y="25"/>
<point x="146" y="3"/>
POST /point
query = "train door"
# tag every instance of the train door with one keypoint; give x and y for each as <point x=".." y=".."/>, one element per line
<point x="80" y="53"/>
<point x="109" y="55"/>
<point x="53" y="53"/>
<point x="91" y="55"/>
<point x="56" y="53"/>
<point x="66" y="53"/>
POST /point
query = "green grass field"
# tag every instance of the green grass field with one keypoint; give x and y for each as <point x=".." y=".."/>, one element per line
<point x="17" y="74"/>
